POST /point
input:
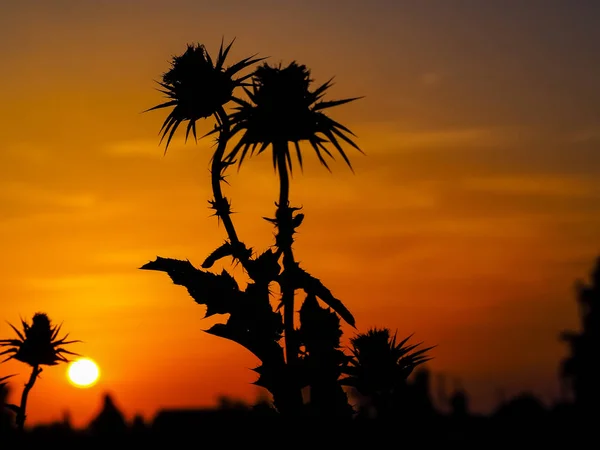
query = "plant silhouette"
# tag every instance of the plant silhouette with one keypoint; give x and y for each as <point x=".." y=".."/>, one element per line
<point x="380" y="366"/>
<point x="36" y="345"/>
<point x="198" y="88"/>
<point x="281" y="110"/>
<point x="3" y="382"/>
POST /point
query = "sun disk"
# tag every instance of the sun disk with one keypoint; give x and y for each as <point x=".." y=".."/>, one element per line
<point x="83" y="373"/>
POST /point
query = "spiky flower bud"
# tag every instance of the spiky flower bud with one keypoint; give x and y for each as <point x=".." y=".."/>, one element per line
<point x="37" y="344"/>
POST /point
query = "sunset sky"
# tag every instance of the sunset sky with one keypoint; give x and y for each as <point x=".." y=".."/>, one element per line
<point x="474" y="211"/>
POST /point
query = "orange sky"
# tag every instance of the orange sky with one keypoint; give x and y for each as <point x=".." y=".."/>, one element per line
<point x="467" y="222"/>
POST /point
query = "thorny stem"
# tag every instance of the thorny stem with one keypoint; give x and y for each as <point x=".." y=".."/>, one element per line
<point x="22" y="409"/>
<point x="288" y="256"/>
<point x="217" y="169"/>
<point x="287" y="289"/>
<point x="284" y="241"/>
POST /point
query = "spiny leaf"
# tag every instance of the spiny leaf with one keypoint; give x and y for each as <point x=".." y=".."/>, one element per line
<point x="219" y="292"/>
<point x="267" y="350"/>
<point x="3" y="379"/>
<point x="311" y="285"/>
<point x="265" y="268"/>
<point x="319" y="327"/>
<point x="271" y="377"/>
<point x="221" y="252"/>
<point x="332" y="103"/>
<point x="25" y="326"/>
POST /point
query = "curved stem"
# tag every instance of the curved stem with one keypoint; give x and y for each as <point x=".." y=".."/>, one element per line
<point x="21" y="415"/>
<point x="217" y="168"/>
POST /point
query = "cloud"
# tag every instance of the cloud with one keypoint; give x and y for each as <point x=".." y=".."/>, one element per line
<point x="134" y="148"/>
<point x="557" y="186"/>
<point x="29" y="196"/>
<point x="151" y="148"/>
<point x="27" y="153"/>
<point x="382" y="135"/>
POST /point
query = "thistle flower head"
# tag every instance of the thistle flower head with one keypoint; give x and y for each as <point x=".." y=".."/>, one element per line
<point x="380" y="363"/>
<point x="197" y="87"/>
<point x="37" y="343"/>
<point x="283" y="108"/>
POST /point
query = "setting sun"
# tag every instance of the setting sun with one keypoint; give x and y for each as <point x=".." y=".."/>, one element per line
<point x="83" y="373"/>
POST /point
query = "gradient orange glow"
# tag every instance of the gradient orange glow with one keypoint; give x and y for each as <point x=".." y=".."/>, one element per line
<point x="467" y="222"/>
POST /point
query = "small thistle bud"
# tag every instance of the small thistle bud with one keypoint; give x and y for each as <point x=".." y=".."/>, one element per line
<point x="38" y="343"/>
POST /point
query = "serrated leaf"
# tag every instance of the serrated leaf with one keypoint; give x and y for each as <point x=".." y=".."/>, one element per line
<point x="3" y="379"/>
<point x="265" y="268"/>
<point x="219" y="292"/>
<point x="320" y="330"/>
<point x="311" y="285"/>
<point x="267" y="350"/>
<point x="221" y="252"/>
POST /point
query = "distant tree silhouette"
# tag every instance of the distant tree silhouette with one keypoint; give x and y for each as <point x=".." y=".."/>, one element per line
<point x="459" y="403"/>
<point x="581" y="369"/>
<point x="110" y="419"/>
<point x="138" y="425"/>
<point x="524" y="407"/>
<point x="36" y="345"/>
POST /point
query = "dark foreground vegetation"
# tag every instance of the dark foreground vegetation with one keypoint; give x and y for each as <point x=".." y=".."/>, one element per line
<point x="522" y="419"/>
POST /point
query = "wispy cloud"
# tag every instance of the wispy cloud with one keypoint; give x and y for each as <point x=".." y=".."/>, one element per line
<point x="152" y="148"/>
<point x="135" y="148"/>
<point x="560" y="186"/>
<point x="26" y="153"/>
<point x="28" y="194"/>
<point x="380" y="136"/>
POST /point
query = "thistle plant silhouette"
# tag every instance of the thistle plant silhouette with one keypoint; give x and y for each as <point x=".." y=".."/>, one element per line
<point x="198" y="88"/>
<point x="380" y="366"/>
<point x="36" y="345"/>
<point x="281" y="109"/>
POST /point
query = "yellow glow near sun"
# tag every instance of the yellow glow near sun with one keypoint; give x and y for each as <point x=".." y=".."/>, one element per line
<point x="83" y="373"/>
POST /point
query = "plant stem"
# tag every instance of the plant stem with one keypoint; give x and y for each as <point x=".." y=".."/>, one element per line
<point x="284" y="241"/>
<point x="216" y="176"/>
<point x="287" y="294"/>
<point x="21" y="415"/>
